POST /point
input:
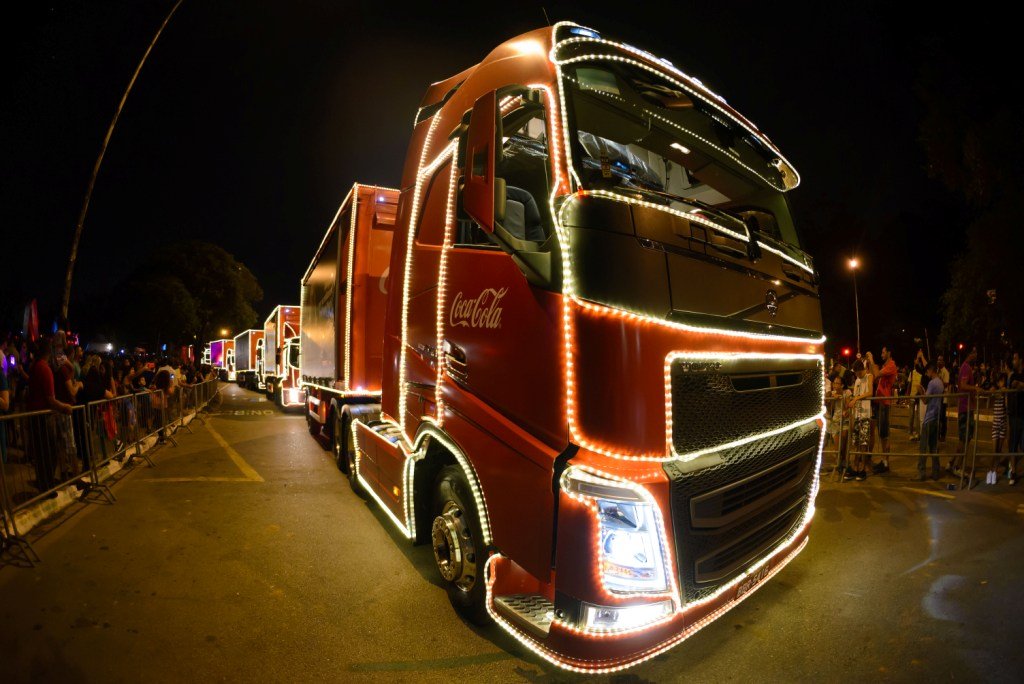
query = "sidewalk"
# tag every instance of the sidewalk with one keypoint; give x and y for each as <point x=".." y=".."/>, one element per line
<point x="27" y="519"/>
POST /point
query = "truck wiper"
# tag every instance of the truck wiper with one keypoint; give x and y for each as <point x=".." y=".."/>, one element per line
<point x="703" y="206"/>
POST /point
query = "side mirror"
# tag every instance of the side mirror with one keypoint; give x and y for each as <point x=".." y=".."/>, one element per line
<point x="479" y="197"/>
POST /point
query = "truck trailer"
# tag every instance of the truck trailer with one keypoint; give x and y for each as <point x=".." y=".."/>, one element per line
<point x="344" y="302"/>
<point x="222" y="357"/>
<point x="281" y="356"/>
<point x="249" y="359"/>
<point x="601" y="380"/>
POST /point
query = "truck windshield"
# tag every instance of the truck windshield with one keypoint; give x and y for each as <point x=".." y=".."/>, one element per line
<point x="641" y="135"/>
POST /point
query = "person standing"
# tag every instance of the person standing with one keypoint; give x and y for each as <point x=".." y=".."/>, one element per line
<point x="918" y="384"/>
<point x="998" y="427"/>
<point x="1015" y="412"/>
<point x="5" y="405"/>
<point x="66" y="389"/>
<point x="965" y="410"/>
<point x="930" y="424"/>
<point x="943" y="375"/>
<point x="41" y="397"/>
<point x="839" y="421"/>
<point x="75" y="357"/>
<point x="886" y="380"/>
<point x="860" y="405"/>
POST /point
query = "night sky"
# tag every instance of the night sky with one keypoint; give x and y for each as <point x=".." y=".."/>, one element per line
<point x="250" y="121"/>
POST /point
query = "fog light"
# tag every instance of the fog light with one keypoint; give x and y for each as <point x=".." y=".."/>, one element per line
<point x="619" y="618"/>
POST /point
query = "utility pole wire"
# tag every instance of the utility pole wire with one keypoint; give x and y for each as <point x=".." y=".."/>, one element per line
<point x="96" y="168"/>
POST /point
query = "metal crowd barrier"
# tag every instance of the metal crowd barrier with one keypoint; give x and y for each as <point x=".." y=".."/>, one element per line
<point x="905" y="421"/>
<point x="1013" y="433"/>
<point x="43" y="452"/>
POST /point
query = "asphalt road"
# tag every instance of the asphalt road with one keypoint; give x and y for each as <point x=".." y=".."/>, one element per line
<point x="244" y="556"/>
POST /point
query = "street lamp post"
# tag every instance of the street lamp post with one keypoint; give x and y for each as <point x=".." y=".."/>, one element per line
<point x="854" y="263"/>
<point x="66" y="300"/>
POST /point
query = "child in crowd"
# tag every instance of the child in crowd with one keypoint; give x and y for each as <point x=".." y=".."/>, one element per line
<point x="860" y="406"/>
<point x="839" y="420"/>
<point x="998" y="427"/>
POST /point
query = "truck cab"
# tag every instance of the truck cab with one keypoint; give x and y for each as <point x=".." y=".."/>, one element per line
<point x="602" y="382"/>
<point x="280" y="360"/>
<point x="249" y="359"/>
<point x="222" y="358"/>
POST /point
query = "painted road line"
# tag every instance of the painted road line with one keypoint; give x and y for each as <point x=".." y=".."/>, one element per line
<point x="929" y="492"/>
<point x="247" y="470"/>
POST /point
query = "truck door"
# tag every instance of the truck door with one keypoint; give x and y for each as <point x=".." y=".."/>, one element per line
<point x="259" y="360"/>
<point x="421" y="325"/>
<point x="502" y="342"/>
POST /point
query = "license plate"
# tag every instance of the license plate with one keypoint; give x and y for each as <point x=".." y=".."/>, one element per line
<point x="751" y="581"/>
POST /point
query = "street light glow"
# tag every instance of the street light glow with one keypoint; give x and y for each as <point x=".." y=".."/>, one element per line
<point x="853" y="263"/>
<point x="223" y="331"/>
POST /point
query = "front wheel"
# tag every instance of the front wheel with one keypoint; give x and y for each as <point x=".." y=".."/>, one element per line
<point x="459" y="550"/>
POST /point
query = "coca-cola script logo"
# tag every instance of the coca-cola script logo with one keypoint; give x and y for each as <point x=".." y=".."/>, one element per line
<point x="483" y="311"/>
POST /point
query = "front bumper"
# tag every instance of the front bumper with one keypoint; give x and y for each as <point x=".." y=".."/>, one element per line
<point x="578" y="580"/>
<point x="595" y="653"/>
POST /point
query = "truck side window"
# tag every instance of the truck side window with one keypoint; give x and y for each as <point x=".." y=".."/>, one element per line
<point x="430" y="229"/>
<point x="524" y="166"/>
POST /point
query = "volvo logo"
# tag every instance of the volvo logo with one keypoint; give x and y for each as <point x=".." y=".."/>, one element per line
<point x="698" y="366"/>
<point x="771" y="302"/>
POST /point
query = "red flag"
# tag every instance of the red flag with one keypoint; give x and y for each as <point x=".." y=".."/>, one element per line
<point x="31" y="322"/>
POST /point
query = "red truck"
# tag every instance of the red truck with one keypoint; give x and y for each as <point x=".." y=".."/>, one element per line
<point x="601" y="373"/>
<point x="344" y="301"/>
<point x="281" y="356"/>
<point x="222" y="357"/>
<point x="249" y="359"/>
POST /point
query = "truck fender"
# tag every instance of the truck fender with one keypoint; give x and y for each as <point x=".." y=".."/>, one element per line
<point x="431" y="447"/>
<point x="342" y="416"/>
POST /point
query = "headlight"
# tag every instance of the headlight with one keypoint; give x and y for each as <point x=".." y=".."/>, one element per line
<point x="631" y="555"/>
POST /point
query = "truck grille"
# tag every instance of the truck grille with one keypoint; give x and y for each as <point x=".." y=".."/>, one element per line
<point x="731" y="508"/>
<point x="716" y="403"/>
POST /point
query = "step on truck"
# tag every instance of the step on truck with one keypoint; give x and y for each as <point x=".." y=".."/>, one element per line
<point x="281" y="356"/>
<point x="249" y="359"/>
<point x="601" y="388"/>
<point x="222" y="358"/>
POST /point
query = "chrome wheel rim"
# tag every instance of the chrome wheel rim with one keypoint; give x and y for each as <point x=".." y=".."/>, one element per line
<point x="454" y="554"/>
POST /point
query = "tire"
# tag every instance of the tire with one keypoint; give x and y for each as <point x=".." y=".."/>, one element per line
<point x="348" y="434"/>
<point x="459" y="550"/>
<point x="338" y="442"/>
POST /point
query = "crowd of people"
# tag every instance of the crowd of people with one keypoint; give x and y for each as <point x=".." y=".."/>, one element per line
<point x="860" y="400"/>
<point x="51" y="374"/>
